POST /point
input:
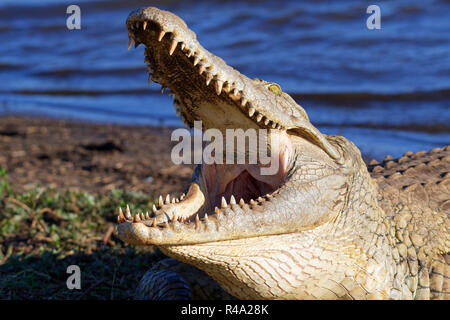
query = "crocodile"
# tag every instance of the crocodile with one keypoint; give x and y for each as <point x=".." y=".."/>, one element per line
<point x="325" y="225"/>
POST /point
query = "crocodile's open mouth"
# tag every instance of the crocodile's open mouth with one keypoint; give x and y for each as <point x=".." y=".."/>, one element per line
<point x="205" y="88"/>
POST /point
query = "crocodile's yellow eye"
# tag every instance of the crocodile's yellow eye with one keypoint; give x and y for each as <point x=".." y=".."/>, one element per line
<point x="275" y="89"/>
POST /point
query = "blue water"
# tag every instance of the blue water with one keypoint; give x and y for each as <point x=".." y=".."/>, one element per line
<point x="387" y="90"/>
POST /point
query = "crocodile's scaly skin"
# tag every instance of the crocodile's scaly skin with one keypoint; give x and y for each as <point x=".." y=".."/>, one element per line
<point x="328" y="228"/>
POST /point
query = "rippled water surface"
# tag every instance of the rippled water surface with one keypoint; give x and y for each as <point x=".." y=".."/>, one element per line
<point x="387" y="90"/>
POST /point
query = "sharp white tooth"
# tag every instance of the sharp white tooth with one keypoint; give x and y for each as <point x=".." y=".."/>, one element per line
<point x="128" y="212"/>
<point x="147" y="216"/>
<point x="173" y="200"/>
<point x="236" y="92"/>
<point x="216" y="210"/>
<point x="209" y="77"/>
<point x="274" y="125"/>
<point x="241" y="202"/>
<point x="144" y="25"/>
<point x="266" y="121"/>
<point x="120" y="217"/>
<point x="177" y="200"/>
<point x="259" y="117"/>
<point x="183" y="46"/>
<point x="227" y="88"/>
<point x="224" y="203"/>
<point x="251" y="111"/>
<point x="197" y="220"/>
<point x="136" y="218"/>
<point x="130" y="43"/>
<point x="232" y="200"/>
<point x="243" y="102"/>
<point x="160" y="201"/>
<point x="252" y="201"/>
<point x="168" y="199"/>
<point x="142" y="216"/>
<point x="218" y="86"/>
<point x="154" y="208"/>
<point x="173" y="46"/>
<point x="201" y="69"/>
<point x="161" y="35"/>
<point x="206" y="216"/>
<point x="182" y="196"/>
<point x="196" y="61"/>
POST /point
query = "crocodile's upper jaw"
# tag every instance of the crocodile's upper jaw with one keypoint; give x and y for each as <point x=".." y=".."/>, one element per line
<point x="205" y="88"/>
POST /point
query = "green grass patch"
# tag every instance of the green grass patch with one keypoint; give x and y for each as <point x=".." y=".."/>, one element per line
<point x="43" y="231"/>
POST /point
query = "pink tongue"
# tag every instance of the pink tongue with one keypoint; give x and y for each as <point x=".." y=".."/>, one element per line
<point x="245" y="181"/>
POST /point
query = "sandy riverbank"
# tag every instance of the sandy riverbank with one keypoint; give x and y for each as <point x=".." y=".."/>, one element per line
<point x="89" y="157"/>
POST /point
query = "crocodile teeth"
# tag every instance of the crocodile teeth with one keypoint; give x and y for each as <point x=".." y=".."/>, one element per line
<point x="173" y="46"/>
<point x="144" y="25"/>
<point x="216" y="210"/>
<point x="136" y="218"/>
<point x="251" y="111"/>
<point x="274" y="125"/>
<point x="160" y="201"/>
<point x="232" y="200"/>
<point x="209" y="77"/>
<point x="120" y="217"/>
<point x="142" y="216"/>
<point x="227" y="88"/>
<point x="196" y="61"/>
<point x="130" y="43"/>
<point x="243" y="102"/>
<point x="154" y="223"/>
<point x="173" y="200"/>
<point x="241" y="202"/>
<point x="236" y="92"/>
<point x="218" y="86"/>
<point x="128" y="213"/>
<point x="167" y="199"/>
<point x="182" y="196"/>
<point x="259" y="117"/>
<point x="154" y="208"/>
<point x="252" y="201"/>
<point x="197" y="220"/>
<point x="266" y="121"/>
<point x="201" y="69"/>
<point x="147" y="216"/>
<point x="161" y="35"/>
<point x="183" y="46"/>
<point x="224" y="203"/>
